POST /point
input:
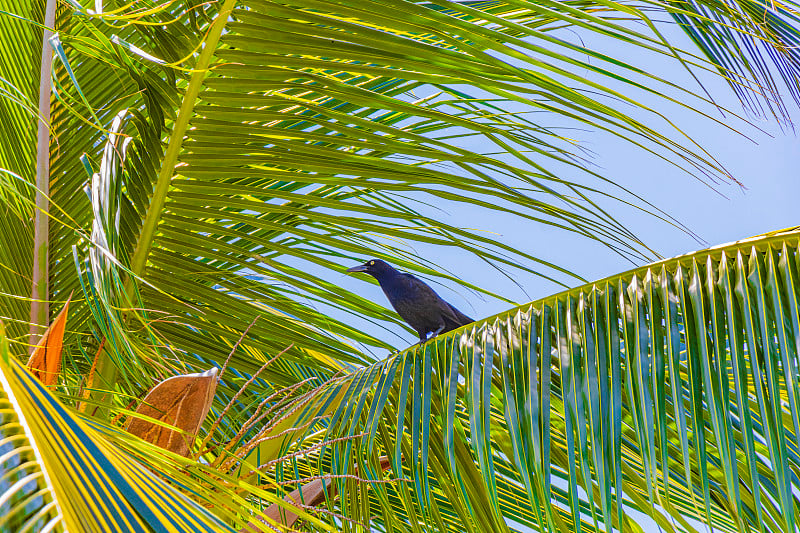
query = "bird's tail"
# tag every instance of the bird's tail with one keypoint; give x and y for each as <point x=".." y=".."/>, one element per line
<point x="457" y="320"/>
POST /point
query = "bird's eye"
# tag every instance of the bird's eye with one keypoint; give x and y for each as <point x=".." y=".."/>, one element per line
<point x="371" y="263"/>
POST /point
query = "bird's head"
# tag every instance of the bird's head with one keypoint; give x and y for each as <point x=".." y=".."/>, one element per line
<point x="373" y="267"/>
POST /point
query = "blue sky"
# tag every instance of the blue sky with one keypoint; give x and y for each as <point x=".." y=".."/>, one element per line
<point x="766" y="160"/>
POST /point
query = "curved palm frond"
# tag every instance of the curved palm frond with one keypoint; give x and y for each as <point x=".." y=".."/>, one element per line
<point x="665" y="395"/>
<point x="27" y="498"/>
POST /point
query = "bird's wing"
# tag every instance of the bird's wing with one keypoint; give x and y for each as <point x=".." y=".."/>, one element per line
<point x="413" y="300"/>
<point x="430" y="308"/>
<point x="421" y="291"/>
<point x="453" y="318"/>
<point x="415" y="286"/>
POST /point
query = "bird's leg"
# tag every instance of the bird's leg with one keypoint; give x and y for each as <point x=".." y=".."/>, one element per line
<point x="435" y="333"/>
<point x="423" y="336"/>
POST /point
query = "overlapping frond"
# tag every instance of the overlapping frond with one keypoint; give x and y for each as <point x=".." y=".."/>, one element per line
<point x="323" y="133"/>
<point x="740" y="38"/>
<point x="27" y="501"/>
<point x="77" y="478"/>
<point x="62" y="470"/>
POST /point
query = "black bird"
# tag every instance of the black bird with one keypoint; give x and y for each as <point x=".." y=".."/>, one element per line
<point x="414" y="301"/>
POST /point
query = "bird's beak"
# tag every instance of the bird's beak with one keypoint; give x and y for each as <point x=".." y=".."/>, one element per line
<point x="359" y="268"/>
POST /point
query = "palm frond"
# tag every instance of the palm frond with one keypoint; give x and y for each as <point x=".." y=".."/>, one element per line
<point x="66" y="471"/>
<point x="668" y="392"/>
<point x="21" y="44"/>
<point x="323" y="133"/>
<point x="76" y="478"/>
<point x="739" y="38"/>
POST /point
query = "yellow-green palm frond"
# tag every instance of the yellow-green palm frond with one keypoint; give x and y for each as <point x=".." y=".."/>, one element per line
<point x="73" y="479"/>
<point x="666" y="395"/>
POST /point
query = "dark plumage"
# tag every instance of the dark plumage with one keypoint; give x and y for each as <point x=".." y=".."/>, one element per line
<point x="414" y="301"/>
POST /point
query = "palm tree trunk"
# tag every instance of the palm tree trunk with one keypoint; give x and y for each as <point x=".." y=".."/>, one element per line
<point x="40" y="294"/>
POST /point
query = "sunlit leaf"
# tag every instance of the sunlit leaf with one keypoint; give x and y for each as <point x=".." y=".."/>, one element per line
<point x="45" y="361"/>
